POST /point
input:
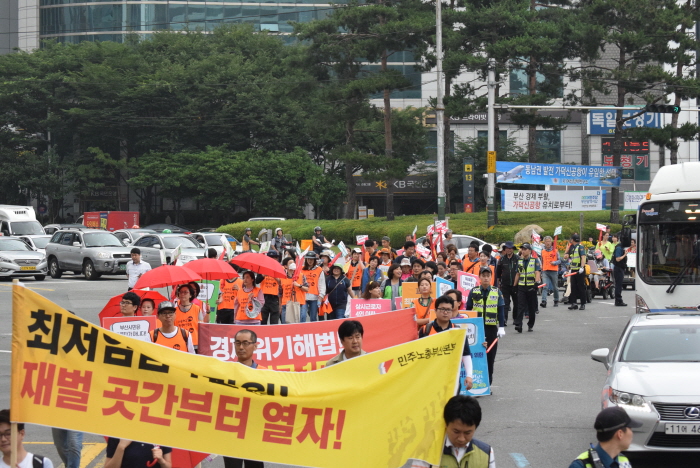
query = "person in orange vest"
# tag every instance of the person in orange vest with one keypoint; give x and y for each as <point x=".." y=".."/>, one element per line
<point x="316" y="280"/>
<point x="188" y="314"/>
<point x="169" y="335"/>
<point x="424" y="304"/>
<point x="293" y="294"/>
<point x="247" y="240"/>
<point x="226" y="300"/>
<point x="271" y="291"/>
<point x="249" y="301"/>
<point x="353" y="270"/>
<point x="550" y="271"/>
<point x="470" y="261"/>
<point x="444" y="307"/>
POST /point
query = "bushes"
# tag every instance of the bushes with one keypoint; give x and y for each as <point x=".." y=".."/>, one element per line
<point x="473" y="224"/>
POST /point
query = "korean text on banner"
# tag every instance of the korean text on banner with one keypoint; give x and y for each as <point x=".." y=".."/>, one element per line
<point x="134" y="327"/>
<point x="442" y="286"/>
<point x="557" y="174"/>
<point x="307" y="346"/>
<point x="466" y="281"/>
<point x="365" y="307"/>
<point x="476" y="337"/>
<point x="65" y="368"/>
<point x="552" y="200"/>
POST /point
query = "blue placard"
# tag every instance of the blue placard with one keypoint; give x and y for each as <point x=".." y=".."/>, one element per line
<point x="476" y="338"/>
<point x="602" y="122"/>
<point x="557" y="174"/>
<point x="443" y="285"/>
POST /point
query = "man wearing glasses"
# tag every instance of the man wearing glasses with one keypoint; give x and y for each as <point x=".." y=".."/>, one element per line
<point x="130" y="304"/>
<point x="444" y="306"/>
<point x="245" y="343"/>
<point x="168" y="334"/>
<point x="24" y="458"/>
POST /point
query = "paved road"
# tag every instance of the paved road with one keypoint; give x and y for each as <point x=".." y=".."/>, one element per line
<point x="546" y="388"/>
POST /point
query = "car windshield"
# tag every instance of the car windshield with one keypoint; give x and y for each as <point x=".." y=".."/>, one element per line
<point x="667" y="244"/>
<point x="214" y="240"/>
<point x="679" y="343"/>
<point x="186" y="242"/>
<point x="40" y="242"/>
<point x="27" y="228"/>
<point x="102" y="239"/>
<point x="13" y="245"/>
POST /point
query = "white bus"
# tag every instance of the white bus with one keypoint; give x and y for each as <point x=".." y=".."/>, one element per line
<point x="18" y="220"/>
<point x="668" y="242"/>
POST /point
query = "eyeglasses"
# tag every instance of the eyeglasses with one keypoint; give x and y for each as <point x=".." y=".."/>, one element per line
<point x="245" y="344"/>
<point x="6" y="435"/>
<point x="126" y="303"/>
<point x="442" y="309"/>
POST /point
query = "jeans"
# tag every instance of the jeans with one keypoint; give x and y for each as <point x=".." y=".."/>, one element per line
<point x="312" y="309"/>
<point x="69" y="444"/>
<point x="283" y="314"/>
<point x="550" y="277"/>
<point x="303" y="309"/>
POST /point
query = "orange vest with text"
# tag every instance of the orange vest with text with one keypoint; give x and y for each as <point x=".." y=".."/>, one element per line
<point x="548" y="258"/>
<point x="189" y="321"/>
<point x="243" y="299"/>
<point x="228" y="294"/>
<point x="270" y="286"/>
<point x="291" y="292"/>
<point x="355" y="274"/>
<point x="178" y="342"/>
<point x="312" y="279"/>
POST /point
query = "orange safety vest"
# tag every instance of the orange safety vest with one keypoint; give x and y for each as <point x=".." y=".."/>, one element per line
<point x="228" y="294"/>
<point x="548" y="258"/>
<point x="470" y="267"/>
<point x="189" y="321"/>
<point x="291" y="292"/>
<point x="270" y="286"/>
<point x="243" y="298"/>
<point x="178" y="342"/>
<point x="423" y="312"/>
<point x="355" y="273"/>
<point x="312" y="279"/>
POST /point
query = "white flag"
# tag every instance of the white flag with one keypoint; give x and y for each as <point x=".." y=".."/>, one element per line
<point x="176" y="256"/>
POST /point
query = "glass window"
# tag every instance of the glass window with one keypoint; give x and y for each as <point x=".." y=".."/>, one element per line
<point x="679" y="343"/>
<point x="176" y="16"/>
<point x="101" y="239"/>
<point x="232" y="14"/>
<point x="518" y="84"/>
<point x="431" y="149"/>
<point x="13" y="245"/>
<point x="250" y="14"/>
<point x="105" y="18"/>
<point x="172" y="242"/>
<point x="548" y="144"/>
<point x="196" y="15"/>
<point x="214" y="240"/>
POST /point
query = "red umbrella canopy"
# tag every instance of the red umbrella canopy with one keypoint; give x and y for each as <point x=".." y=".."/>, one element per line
<point x="112" y="308"/>
<point x="166" y="275"/>
<point x="260" y="263"/>
<point x="212" y="269"/>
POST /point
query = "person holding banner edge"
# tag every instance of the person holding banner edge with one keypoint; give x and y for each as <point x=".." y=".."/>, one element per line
<point x="489" y="301"/>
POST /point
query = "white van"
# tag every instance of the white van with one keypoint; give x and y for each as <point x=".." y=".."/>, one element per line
<point x="18" y="220"/>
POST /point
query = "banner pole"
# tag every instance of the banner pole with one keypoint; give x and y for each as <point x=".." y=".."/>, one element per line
<point x="13" y="426"/>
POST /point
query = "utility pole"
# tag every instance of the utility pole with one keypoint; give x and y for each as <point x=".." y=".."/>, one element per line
<point x="491" y="148"/>
<point x="440" y="113"/>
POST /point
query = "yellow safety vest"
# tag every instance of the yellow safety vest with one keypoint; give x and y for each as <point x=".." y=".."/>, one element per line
<point x="489" y="305"/>
<point x="527" y="272"/>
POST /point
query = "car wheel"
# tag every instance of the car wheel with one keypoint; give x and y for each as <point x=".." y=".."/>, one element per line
<point x="605" y="293"/>
<point x="40" y="277"/>
<point x="54" y="270"/>
<point x="89" y="271"/>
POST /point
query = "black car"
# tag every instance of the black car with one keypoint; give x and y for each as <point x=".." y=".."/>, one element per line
<point x="175" y="229"/>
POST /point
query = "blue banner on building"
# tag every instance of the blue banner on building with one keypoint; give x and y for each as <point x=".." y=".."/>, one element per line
<point x="602" y="122"/>
<point x="476" y="338"/>
<point x="557" y="174"/>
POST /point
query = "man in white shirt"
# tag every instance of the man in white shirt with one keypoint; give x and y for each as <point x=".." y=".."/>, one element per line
<point x="24" y="458"/>
<point x="135" y="268"/>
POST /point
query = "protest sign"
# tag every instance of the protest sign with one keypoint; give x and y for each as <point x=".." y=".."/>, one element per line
<point x="557" y="231"/>
<point x="409" y="293"/>
<point x="365" y="307"/>
<point x="476" y="337"/>
<point x="343" y="249"/>
<point x="208" y="294"/>
<point x="135" y="327"/>
<point x="466" y="281"/>
<point x="306" y="346"/>
<point x="442" y="286"/>
<point x="361" y="239"/>
<point x="65" y="368"/>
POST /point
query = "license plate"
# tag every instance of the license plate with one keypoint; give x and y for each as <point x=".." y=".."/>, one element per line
<point x="27" y="268"/>
<point x="685" y="428"/>
<point x="122" y="266"/>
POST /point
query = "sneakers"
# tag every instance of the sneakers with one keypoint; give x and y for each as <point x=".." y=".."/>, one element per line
<point x="573" y="307"/>
<point x="543" y="304"/>
<point x="556" y="303"/>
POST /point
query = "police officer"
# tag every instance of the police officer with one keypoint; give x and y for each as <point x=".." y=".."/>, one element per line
<point x="488" y="300"/>
<point x="527" y="279"/>
<point x="577" y="259"/>
<point x="613" y="428"/>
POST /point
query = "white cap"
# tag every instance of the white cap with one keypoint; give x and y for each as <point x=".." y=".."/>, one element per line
<point x="406" y="262"/>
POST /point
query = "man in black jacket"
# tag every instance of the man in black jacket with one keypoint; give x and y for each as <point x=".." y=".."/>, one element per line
<point x="505" y="272"/>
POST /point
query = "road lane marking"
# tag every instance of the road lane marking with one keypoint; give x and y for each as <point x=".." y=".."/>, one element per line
<point x="89" y="454"/>
<point x="3" y="351"/>
<point x="557" y="391"/>
<point x="520" y="460"/>
<point x="28" y="287"/>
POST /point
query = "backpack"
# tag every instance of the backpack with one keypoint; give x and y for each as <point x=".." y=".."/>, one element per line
<point x="37" y="461"/>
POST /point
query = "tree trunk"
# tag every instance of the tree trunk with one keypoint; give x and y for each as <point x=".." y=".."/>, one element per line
<point x="388" y="147"/>
<point x="349" y="208"/>
<point x="617" y="145"/>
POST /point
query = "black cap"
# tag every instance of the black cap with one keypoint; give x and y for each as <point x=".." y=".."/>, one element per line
<point x="575" y="237"/>
<point x="509" y="245"/>
<point x="165" y="305"/>
<point x="485" y="270"/>
<point x="613" y="419"/>
<point x="526" y="245"/>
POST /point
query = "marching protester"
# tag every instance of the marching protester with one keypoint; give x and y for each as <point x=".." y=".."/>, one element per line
<point x="444" y="305"/>
<point x="424" y="304"/>
<point x="316" y="280"/>
<point x="293" y="295"/>
<point x="129" y="304"/>
<point x="452" y="254"/>
<point x="168" y="334"/>
<point x="248" y="241"/>
<point x="124" y="453"/>
<point x="489" y="301"/>
<point x="227" y="297"/>
<point x="148" y="307"/>
<point x="577" y="261"/>
<point x="416" y="270"/>
<point x="385" y="256"/>
<point x="350" y="333"/>
<point x="456" y="296"/>
<point x="249" y="301"/>
<point x="505" y="272"/>
<point x="391" y="287"/>
<point x="270" y="312"/>
<point x="372" y="272"/>
<point x="613" y="428"/>
<point x="386" y="244"/>
<point x="135" y="268"/>
<point x="409" y="252"/>
<point x="485" y="262"/>
<point x="318" y="240"/>
<point x="370" y="249"/>
<point x="442" y="271"/>
<point x="325" y="259"/>
<point x="470" y="261"/>
<point x="455" y="268"/>
<point x="69" y="445"/>
<point x="188" y="315"/>
<point x="550" y="271"/>
<point x="372" y="291"/>
<point x="405" y="269"/>
<point x="24" y="459"/>
<point x="527" y="279"/>
<point x="353" y="270"/>
<point x="340" y="288"/>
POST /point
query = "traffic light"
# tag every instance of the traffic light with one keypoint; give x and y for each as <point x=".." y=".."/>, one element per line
<point x="662" y="109"/>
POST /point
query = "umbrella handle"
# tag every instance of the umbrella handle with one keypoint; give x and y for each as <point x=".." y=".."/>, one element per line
<point x="151" y="463"/>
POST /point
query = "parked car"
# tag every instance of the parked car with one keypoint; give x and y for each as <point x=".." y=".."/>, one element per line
<point x="654" y="374"/>
<point x="18" y="259"/>
<point x="266" y="219"/>
<point x="174" y="228"/>
<point x="213" y="240"/>
<point x="37" y="243"/>
<point x="460" y="241"/>
<point x="50" y="229"/>
<point x="155" y="247"/>
<point x="91" y="252"/>
<point x="129" y="236"/>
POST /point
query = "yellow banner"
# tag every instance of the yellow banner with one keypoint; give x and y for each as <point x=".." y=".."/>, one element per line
<point x="379" y="409"/>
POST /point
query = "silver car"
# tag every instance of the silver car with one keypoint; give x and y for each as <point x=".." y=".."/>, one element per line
<point x="18" y="259"/>
<point x="654" y="374"/>
<point x="91" y="252"/>
<point x="129" y="236"/>
<point x="37" y="242"/>
<point x="214" y="240"/>
<point x="156" y="247"/>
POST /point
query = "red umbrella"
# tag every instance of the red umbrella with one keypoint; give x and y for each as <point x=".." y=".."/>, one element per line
<point x="260" y="263"/>
<point x="112" y="308"/>
<point x="212" y="269"/>
<point x="166" y="275"/>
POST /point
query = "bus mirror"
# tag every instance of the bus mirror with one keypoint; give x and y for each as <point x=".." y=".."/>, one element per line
<point x="626" y="237"/>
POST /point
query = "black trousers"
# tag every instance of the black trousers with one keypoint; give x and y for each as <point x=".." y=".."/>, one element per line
<point x="225" y="316"/>
<point x="238" y="463"/>
<point x="270" y="310"/>
<point x="509" y="292"/>
<point x="619" y="275"/>
<point x="578" y="289"/>
<point x="491" y="332"/>
<point x="527" y="304"/>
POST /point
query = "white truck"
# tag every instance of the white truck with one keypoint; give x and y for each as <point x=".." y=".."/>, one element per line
<point x="16" y="220"/>
<point x="668" y="241"/>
